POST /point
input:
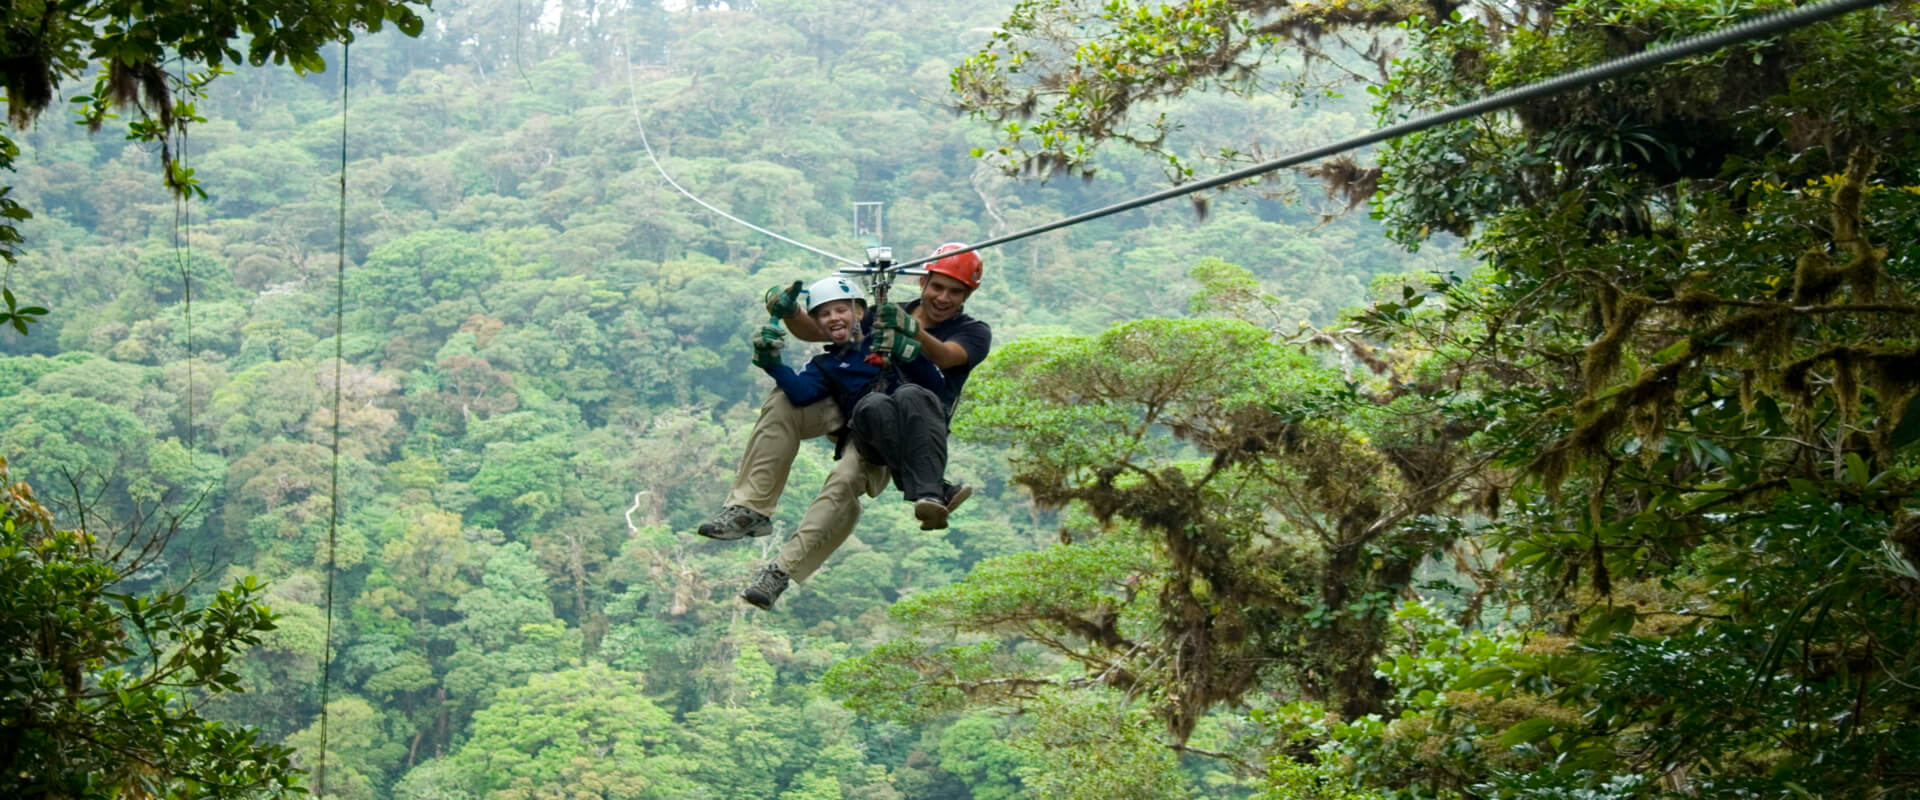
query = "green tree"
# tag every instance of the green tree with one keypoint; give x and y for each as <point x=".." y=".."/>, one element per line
<point x="1252" y="511"/>
<point x="50" y="43"/>
<point x="1061" y="79"/>
<point x="1098" y="747"/>
<point x="361" y="750"/>
<point x="93" y="451"/>
<point x="980" y="750"/>
<point x="420" y="271"/>
<point x="1687" y="362"/>
<point x="426" y="564"/>
<point x="1727" y="417"/>
<point x="101" y="686"/>
<point x="588" y="731"/>
<point x="507" y="630"/>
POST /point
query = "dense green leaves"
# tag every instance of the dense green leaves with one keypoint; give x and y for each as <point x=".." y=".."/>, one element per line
<point x="131" y="51"/>
<point x="99" y="686"/>
<point x="586" y="726"/>
<point x="545" y="389"/>
<point x="1676" y="402"/>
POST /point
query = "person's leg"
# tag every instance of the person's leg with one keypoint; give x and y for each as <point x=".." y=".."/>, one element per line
<point x="907" y="430"/>
<point x="875" y="429"/>
<point x="771" y="448"/>
<point x="764" y="464"/>
<point x="918" y="455"/>
<point x="832" y="514"/>
<point x="919" y="449"/>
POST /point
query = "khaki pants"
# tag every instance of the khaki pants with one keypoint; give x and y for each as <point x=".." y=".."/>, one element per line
<point x="771" y="448"/>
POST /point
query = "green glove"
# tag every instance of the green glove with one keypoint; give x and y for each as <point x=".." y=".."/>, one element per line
<point x="895" y="316"/>
<point x="783" y="301"/>
<point x="896" y="345"/>
<point x="766" y="346"/>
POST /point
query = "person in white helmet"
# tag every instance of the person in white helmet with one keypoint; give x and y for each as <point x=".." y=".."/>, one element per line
<point x="947" y="336"/>
<point x="895" y="418"/>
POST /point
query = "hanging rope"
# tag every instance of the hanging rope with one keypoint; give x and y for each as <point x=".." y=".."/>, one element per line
<point x="519" y="26"/>
<point x="1766" y="25"/>
<point x="339" y="352"/>
<point x="183" y="231"/>
<point x="633" y="102"/>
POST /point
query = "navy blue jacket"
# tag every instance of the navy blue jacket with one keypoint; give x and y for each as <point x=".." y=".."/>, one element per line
<point x="843" y="374"/>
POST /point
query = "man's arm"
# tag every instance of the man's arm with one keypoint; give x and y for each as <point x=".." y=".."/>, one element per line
<point x="804" y="328"/>
<point x="969" y="347"/>
<point x="921" y="371"/>
<point x="783" y="302"/>
<point x="944" y="354"/>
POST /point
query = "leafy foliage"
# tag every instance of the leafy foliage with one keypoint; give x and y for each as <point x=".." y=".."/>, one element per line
<point x="126" y="46"/>
<point x="100" y="686"/>
<point x="1100" y="73"/>
<point x="1256" y="532"/>
<point x="545" y="387"/>
<point x="1677" y="397"/>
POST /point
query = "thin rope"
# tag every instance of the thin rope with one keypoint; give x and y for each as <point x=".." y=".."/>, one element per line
<point x="519" y="22"/>
<point x="633" y="103"/>
<point x="339" y="353"/>
<point x="1765" y="25"/>
<point x="183" y="219"/>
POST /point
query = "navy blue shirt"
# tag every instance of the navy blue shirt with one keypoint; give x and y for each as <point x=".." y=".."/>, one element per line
<point x="961" y="329"/>
<point x="844" y="374"/>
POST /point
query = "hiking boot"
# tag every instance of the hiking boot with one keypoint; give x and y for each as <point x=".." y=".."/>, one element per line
<point x="766" y="587"/>
<point x="931" y="512"/>
<point x="736" y="522"/>
<point x="953" y="494"/>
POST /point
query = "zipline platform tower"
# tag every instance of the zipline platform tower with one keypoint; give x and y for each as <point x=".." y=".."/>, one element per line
<point x="867" y="222"/>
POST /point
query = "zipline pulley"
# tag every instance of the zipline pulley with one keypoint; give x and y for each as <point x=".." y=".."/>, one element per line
<point x="879" y="271"/>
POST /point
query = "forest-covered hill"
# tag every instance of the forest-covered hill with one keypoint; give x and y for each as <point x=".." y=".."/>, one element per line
<point x="545" y="384"/>
<point x="1276" y="501"/>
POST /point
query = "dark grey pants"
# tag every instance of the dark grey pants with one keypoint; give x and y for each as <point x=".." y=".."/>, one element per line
<point x="906" y="431"/>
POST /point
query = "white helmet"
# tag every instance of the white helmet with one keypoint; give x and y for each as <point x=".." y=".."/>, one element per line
<point x="829" y="289"/>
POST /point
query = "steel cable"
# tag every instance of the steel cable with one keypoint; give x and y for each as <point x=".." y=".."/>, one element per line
<point x="1758" y="27"/>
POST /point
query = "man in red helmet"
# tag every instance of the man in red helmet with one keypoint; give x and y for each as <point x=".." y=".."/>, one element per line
<point x="954" y="341"/>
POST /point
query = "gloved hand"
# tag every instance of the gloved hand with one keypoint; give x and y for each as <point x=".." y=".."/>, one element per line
<point x="895" y="316"/>
<point x="766" y="346"/>
<point x="897" y="346"/>
<point x="783" y="301"/>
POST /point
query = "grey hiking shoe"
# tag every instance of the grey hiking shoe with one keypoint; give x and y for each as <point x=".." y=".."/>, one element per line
<point x="766" y="587"/>
<point x="737" y="522"/>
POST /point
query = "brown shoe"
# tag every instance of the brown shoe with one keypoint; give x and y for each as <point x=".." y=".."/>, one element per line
<point x="954" y="494"/>
<point x="931" y="512"/>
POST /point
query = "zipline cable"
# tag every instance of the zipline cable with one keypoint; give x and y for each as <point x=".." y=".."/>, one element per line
<point x="339" y="352"/>
<point x="633" y="103"/>
<point x="1776" y="22"/>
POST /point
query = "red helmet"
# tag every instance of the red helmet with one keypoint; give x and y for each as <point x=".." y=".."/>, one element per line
<point x="964" y="267"/>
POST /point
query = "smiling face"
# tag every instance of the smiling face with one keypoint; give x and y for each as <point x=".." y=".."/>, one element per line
<point x="839" y="318"/>
<point x="941" y="298"/>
